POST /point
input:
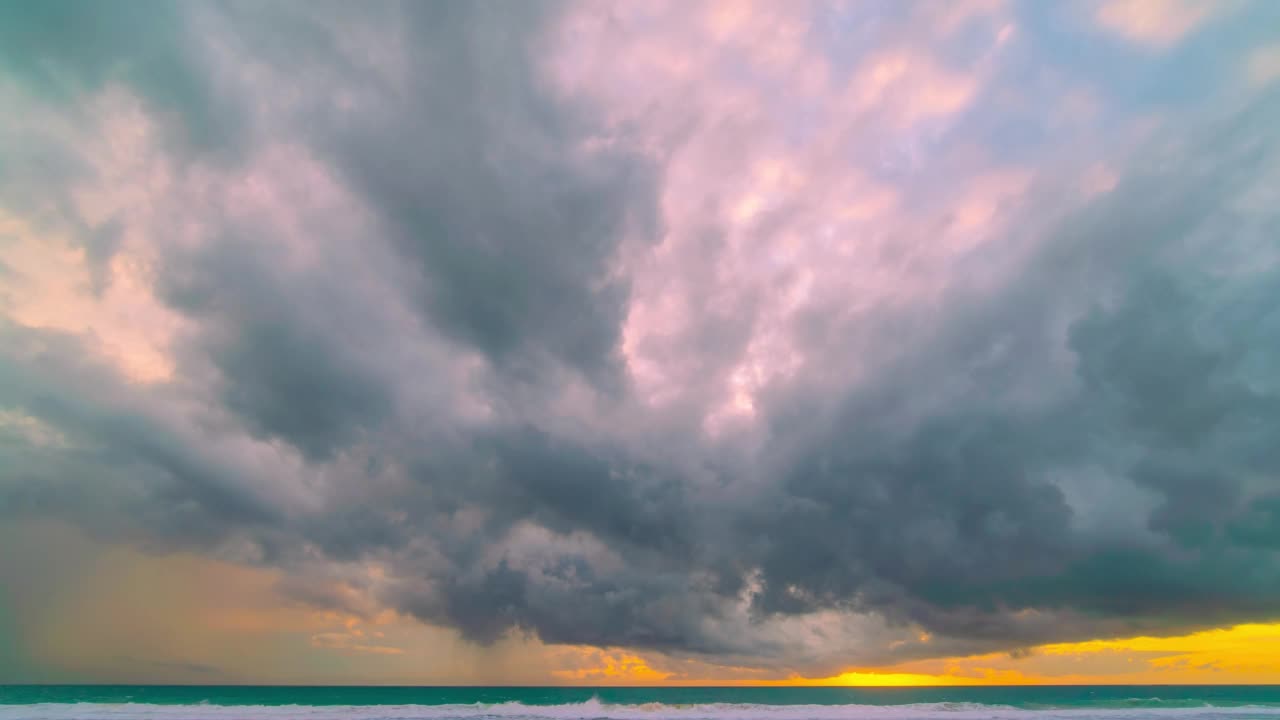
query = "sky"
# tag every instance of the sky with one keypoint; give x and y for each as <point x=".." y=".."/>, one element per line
<point x="620" y="342"/>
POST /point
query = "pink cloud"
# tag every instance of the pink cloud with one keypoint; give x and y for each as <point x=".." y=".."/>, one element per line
<point x="1156" y="23"/>
<point x="761" y="228"/>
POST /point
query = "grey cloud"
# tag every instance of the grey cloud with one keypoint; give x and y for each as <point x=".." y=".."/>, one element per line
<point x="505" y="226"/>
<point x="481" y="180"/>
<point x="288" y="348"/>
<point x="953" y="524"/>
<point x="115" y="467"/>
<point x="61" y="49"/>
<point x="1157" y="405"/>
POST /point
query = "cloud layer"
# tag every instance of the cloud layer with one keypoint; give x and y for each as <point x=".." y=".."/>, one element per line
<point x="774" y="336"/>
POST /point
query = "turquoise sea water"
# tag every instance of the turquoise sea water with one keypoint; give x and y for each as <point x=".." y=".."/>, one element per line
<point x="120" y="702"/>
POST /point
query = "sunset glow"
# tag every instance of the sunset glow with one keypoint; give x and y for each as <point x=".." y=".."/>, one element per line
<point x="679" y="343"/>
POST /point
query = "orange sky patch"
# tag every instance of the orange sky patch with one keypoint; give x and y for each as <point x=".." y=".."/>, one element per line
<point x="163" y="613"/>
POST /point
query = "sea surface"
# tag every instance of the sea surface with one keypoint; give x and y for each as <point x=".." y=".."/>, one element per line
<point x="168" y="702"/>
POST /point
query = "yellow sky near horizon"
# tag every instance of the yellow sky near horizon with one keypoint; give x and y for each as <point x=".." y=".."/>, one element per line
<point x="87" y="612"/>
<point x="1240" y="654"/>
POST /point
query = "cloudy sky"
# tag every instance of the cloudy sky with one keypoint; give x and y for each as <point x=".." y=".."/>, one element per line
<point x="635" y="342"/>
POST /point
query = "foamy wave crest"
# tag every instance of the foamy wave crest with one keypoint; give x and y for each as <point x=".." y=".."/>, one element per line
<point x="596" y="710"/>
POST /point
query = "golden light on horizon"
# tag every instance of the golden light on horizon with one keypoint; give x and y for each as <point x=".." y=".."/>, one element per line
<point x="873" y="678"/>
<point x="1241" y="654"/>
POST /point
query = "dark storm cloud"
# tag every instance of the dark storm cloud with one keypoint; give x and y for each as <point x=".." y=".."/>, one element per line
<point x="476" y="176"/>
<point x="630" y="583"/>
<point x="113" y="465"/>
<point x="482" y="183"/>
<point x="957" y="522"/>
<point x="289" y="369"/>
<point x="510" y="228"/>
<point x="950" y="490"/>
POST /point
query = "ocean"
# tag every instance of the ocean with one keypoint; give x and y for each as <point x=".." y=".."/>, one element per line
<point x="169" y="702"/>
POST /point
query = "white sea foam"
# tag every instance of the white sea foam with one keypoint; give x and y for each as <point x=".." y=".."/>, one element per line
<point x="596" y="710"/>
